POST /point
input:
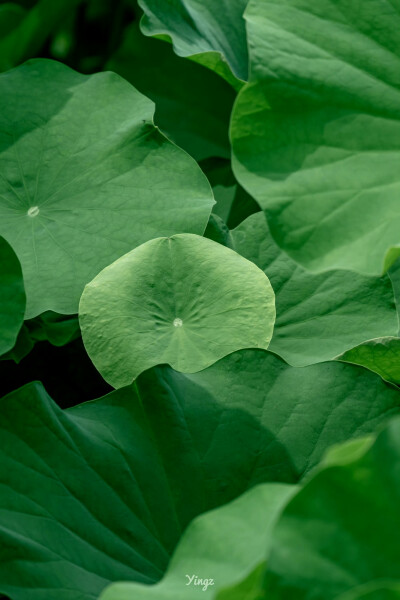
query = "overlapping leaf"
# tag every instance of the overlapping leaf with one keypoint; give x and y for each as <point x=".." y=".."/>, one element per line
<point x="201" y="26"/>
<point x="85" y="177"/>
<point x="218" y="548"/>
<point x="381" y="355"/>
<point x="318" y="315"/>
<point x="340" y="530"/>
<point x="193" y="104"/>
<point x="316" y="131"/>
<point x="12" y="297"/>
<point x="307" y="554"/>
<point x="233" y="204"/>
<point x="102" y="492"/>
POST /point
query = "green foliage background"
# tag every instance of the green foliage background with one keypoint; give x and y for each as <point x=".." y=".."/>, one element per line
<point x="199" y="299"/>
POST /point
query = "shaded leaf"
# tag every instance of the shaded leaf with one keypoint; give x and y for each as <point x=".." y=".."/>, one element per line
<point x="12" y="297"/>
<point x="198" y="27"/>
<point x="103" y="491"/>
<point x="318" y="315"/>
<point x="233" y="203"/>
<point x="340" y="530"/>
<point x="10" y="15"/>
<point x="377" y="590"/>
<point x="29" y="31"/>
<point x="193" y="104"/>
<point x="218" y="548"/>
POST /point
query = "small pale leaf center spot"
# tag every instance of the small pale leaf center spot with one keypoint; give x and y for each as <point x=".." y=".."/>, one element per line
<point x="33" y="211"/>
<point x="178" y="322"/>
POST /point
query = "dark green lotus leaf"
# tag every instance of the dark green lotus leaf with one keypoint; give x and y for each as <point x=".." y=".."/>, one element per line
<point x="218" y="548"/>
<point x="318" y="315"/>
<point x="341" y="529"/>
<point x="193" y="104"/>
<point x="316" y="132"/>
<point x="233" y="203"/>
<point x="201" y="26"/>
<point x="12" y="297"/>
<point x="86" y="177"/>
<point x="218" y="231"/>
<point x="23" y="345"/>
<point x="103" y="492"/>
<point x="394" y="274"/>
<point x="183" y="300"/>
<point x="381" y="355"/>
<point x="28" y="31"/>
<point x="376" y="590"/>
<point x="57" y="329"/>
<point x="10" y="15"/>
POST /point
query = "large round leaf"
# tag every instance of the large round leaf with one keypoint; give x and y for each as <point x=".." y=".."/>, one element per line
<point x="316" y="132"/>
<point x="318" y="316"/>
<point x="201" y="26"/>
<point x="12" y="297"/>
<point x="103" y="492"/>
<point x="85" y="177"/>
<point x="184" y="300"/>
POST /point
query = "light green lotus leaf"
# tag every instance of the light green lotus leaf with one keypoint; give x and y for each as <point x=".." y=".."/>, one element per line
<point x="103" y="492"/>
<point x="376" y="590"/>
<point x="316" y="132"/>
<point x="183" y="300"/>
<point x="318" y="315"/>
<point x="341" y="529"/>
<point x="201" y="26"/>
<point x="12" y="297"/>
<point x="193" y="104"/>
<point x="85" y="177"/>
<point x="217" y="549"/>
<point x="381" y="355"/>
